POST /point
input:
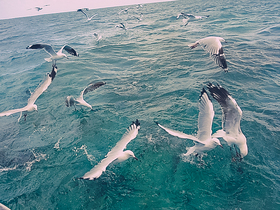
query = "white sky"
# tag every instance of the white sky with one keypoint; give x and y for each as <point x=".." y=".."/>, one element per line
<point x="23" y="8"/>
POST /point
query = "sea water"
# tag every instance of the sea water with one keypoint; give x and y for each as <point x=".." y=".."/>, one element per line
<point x="151" y="75"/>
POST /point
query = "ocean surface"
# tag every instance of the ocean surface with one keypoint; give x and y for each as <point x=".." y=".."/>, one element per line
<point x="151" y="75"/>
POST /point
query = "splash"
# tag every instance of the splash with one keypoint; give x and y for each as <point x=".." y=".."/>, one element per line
<point x="38" y="158"/>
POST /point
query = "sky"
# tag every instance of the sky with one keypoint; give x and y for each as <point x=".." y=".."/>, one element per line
<point x="22" y="8"/>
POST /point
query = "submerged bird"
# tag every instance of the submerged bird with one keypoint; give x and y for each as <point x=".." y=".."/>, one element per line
<point x="231" y="131"/>
<point x="117" y="153"/>
<point x="203" y="141"/>
<point x="54" y="56"/>
<point x="214" y="47"/>
<point x="31" y="106"/>
<point x="71" y="101"/>
<point x="97" y="36"/>
<point x="83" y="11"/>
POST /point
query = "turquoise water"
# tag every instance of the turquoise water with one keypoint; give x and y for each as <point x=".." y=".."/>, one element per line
<point x="152" y="75"/>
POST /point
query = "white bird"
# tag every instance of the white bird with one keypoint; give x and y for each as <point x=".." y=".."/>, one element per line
<point x="2" y="207"/>
<point x="71" y="101"/>
<point x="54" y="56"/>
<point x="97" y="36"/>
<point x="203" y="141"/>
<point x="31" y="106"/>
<point x="83" y="11"/>
<point x="117" y="153"/>
<point x="214" y="47"/>
<point x="231" y="131"/>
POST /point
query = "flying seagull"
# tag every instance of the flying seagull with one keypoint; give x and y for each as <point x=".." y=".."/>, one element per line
<point x="71" y="101"/>
<point x="83" y="11"/>
<point x="203" y="141"/>
<point x="187" y="17"/>
<point x="231" y="131"/>
<point x="214" y="47"/>
<point x="54" y="56"/>
<point x="117" y="153"/>
<point x="31" y="106"/>
<point x="121" y="26"/>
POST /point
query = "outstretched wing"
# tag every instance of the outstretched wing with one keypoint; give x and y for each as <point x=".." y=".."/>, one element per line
<point x="82" y="11"/>
<point x="231" y="111"/>
<point x="114" y="153"/>
<point x="43" y="86"/>
<point x="9" y="112"/>
<point x="205" y="117"/>
<point x="46" y="47"/>
<point x="179" y="134"/>
<point x="93" y="86"/>
<point x="70" y="50"/>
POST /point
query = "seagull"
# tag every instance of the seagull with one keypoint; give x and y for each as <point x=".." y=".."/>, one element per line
<point x="83" y="11"/>
<point x="97" y="36"/>
<point x="71" y="101"/>
<point x="117" y="153"/>
<point x="231" y="131"/>
<point x="121" y="26"/>
<point x="203" y="141"/>
<point x="187" y="17"/>
<point x="31" y="106"/>
<point x="214" y="47"/>
<point x="38" y="8"/>
<point x="54" y="56"/>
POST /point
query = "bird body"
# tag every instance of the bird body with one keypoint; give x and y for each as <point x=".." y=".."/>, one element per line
<point x="54" y="56"/>
<point x="203" y="141"/>
<point x="116" y="154"/>
<point x="231" y="131"/>
<point x="214" y="47"/>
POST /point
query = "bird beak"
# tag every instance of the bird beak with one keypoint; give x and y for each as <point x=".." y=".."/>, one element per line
<point x="221" y="146"/>
<point x="135" y="158"/>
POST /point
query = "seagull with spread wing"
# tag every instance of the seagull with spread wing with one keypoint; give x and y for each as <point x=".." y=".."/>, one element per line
<point x="203" y="141"/>
<point x="83" y="11"/>
<point x="54" y="56"/>
<point x="31" y="106"/>
<point x="116" y="154"/>
<point x="71" y="101"/>
<point x="187" y="17"/>
<point x="214" y="47"/>
<point x="231" y="131"/>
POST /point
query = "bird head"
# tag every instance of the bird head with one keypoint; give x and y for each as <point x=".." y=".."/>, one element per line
<point x="128" y="154"/>
<point x="217" y="142"/>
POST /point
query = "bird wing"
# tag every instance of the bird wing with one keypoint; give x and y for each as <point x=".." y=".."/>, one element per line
<point x="205" y="117"/>
<point x="92" y="86"/>
<point x="46" y="47"/>
<point x="82" y="11"/>
<point x="130" y="134"/>
<point x="42" y="87"/>
<point x="9" y="112"/>
<point x="231" y="111"/>
<point x="179" y="134"/>
<point x="92" y="16"/>
<point x="70" y="50"/>
<point x="211" y="44"/>
<point x="220" y="59"/>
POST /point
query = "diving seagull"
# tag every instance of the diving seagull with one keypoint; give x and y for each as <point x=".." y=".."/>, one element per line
<point x="203" y="141"/>
<point x="83" y="11"/>
<point x="31" y="106"/>
<point x="71" y="101"/>
<point x="231" y="131"/>
<point x="116" y="154"/>
<point x="214" y="47"/>
<point x="54" y="56"/>
<point x="97" y="36"/>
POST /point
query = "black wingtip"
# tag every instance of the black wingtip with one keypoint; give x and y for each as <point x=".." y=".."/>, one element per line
<point x="137" y="123"/>
<point x="156" y="122"/>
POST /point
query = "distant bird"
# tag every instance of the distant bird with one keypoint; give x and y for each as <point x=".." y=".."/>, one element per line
<point x="231" y="131"/>
<point x="214" y="47"/>
<point x="54" y="56"/>
<point x="188" y="17"/>
<point x="117" y="153"/>
<point x="38" y="8"/>
<point x="97" y="36"/>
<point x="71" y="101"/>
<point x="203" y="141"/>
<point x="123" y="11"/>
<point x="122" y="26"/>
<point x="83" y="11"/>
<point x="31" y="106"/>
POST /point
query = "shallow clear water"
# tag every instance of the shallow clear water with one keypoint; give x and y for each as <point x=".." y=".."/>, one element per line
<point x="151" y="75"/>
